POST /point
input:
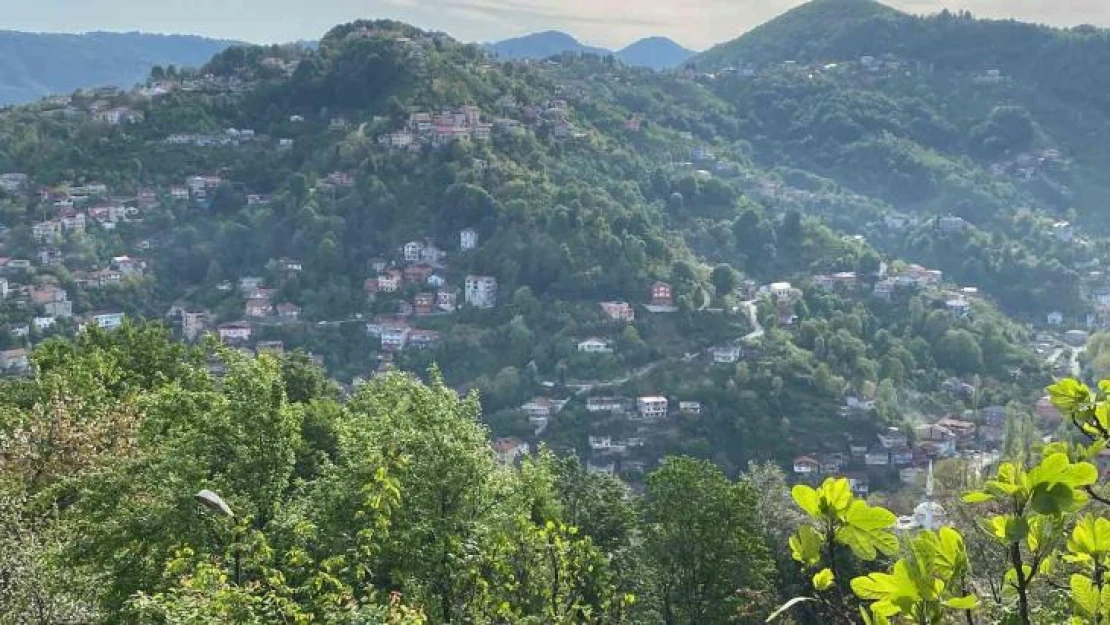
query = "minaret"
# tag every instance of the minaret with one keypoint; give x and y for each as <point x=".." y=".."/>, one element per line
<point x="929" y="522"/>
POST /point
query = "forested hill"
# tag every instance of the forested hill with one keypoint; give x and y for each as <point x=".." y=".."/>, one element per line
<point x="549" y="234"/>
<point x="34" y="65"/>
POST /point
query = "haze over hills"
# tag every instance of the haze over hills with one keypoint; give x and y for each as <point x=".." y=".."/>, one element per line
<point x="652" y="52"/>
<point x="33" y="65"/>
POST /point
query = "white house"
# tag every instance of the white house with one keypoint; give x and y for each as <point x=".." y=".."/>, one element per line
<point x="42" y="323"/>
<point x="3" y="287"/>
<point x="724" y="354"/>
<point x="958" y="306"/>
<point x="804" y="465"/>
<point x="394" y="338"/>
<point x="595" y="345"/>
<point x="1055" y="318"/>
<point x="412" y="251"/>
<point x="468" y="239"/>
<point x="507" y="450"/>
<point x="605" y="404"/>
<point x="652" y="407"/>
<point x="481" y="291"/>
<point x="689" y="407"/>
<point x="235" y="332"/>
<point x="108" y="321"/>
<point x="780" y="290"/>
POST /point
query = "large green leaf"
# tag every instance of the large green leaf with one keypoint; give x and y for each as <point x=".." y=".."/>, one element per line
<point x="807" y="499"/>
<point x="823" y="579"/>
<point x="865" y="531"/>
<point x="969" y="602"/>
<point x="837" y="492"/>
<point x="1091" y="536"/>
<point x="1085" y="594"/>
<point x="805" y="545"/>
<point x="1068" y="395"/>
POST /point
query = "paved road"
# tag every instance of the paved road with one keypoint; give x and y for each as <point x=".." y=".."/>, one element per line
<point x="753" y="316"/>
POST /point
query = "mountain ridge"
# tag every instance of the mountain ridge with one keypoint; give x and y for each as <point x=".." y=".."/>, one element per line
<point x="35" y="65"/>
<point x="655" y="52"/>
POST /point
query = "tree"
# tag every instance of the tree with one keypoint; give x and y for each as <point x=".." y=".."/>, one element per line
<point x="704" y="542"/>
<point x="723" y="279"/>
<point x="959" y="351"/>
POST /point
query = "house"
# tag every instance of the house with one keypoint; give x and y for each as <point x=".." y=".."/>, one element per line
<point x="47" y="294"/>
<point x="447" y="299"/>
<point x="860" y="485"/>
<point x="249" y="284"/>
<point x="390" y="281"/>
<point x="542" y="407"/>
<point x="435" y="281"/>
<point x="594" y="345"/>
<point x="892" y="438"/>
<point x="468" y="239"/>
<point x="725" y="354"/>
<point x="613" y="405"/>
<point x="62" y="309"/>
<point x="951" y="223"/>
<point x="193" y="323"/>
<point x="418" y="274"/>
<point x="21" y="330"/>
<point x="603" y="443"/>
<point x="508" y="450"/>
<point x="127" y="266"/>
<point x="958" y="306"/>
<point x="423" y="339"/>
<point x="258" y="307"/>
<point x="432" y="254"/>
<point x="238" y="332"/>
<point x="689" y="407"/>
<point x="604" y="468"/>
<point x="652" y="407"/>
<point x="940" y="438"/>
<point x="179" y="193"/>
<point x="108" y="320"/>
<point x="73" y="222"/>
<point x="424" y="303"/>
<point x="831" y="464"/>
<point x="619" y="311"/>
<point x="4" y="289"/>
<point x="781" y="290"/>
<point x="277" y="348"/>
<point x="14" y="359"/>
<point x="481" y="291"/>
<point x="43" y="323"/>
<point x="46" y="231"/>
<point x="394" y="338"/>
<point x="1076" y="337"/>
<point x="877" y="457"/>
<point x="411" y="251"/>
<point x="964" y="430"/>
<point x="662" y="294"/>
<point x="288" y="311"/>
<point x="1055" y="318"/>
<point x="901" y="456"/>
<point x="805" y="465"/>
<point x="1063" y="232"/>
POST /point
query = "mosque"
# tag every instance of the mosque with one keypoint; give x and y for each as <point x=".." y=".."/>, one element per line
<point x="928" y="515"/>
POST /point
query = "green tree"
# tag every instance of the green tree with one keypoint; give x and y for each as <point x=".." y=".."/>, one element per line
<point x="704" y="541"/>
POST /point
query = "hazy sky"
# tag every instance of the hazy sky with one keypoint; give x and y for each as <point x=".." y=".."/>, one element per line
<point x="611" y="23"/>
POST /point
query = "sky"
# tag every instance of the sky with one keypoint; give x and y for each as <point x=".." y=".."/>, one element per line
<point x="697" y="24"/>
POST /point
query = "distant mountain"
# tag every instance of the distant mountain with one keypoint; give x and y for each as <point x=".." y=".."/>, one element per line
<point x="33" y="65"/>
<point x="653" y="52"/>
<point x="810" y="31"/>
<point x="542" y="45"/>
